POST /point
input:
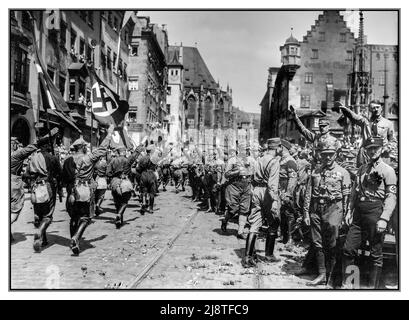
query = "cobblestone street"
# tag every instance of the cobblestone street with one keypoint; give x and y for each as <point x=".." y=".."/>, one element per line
<point x="201" y="257"/>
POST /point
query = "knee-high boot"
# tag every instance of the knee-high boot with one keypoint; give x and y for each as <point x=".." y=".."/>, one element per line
<point x="40" y="238"/>
<point x="269" y="250"/>
<point x="75" y="240"/>
<point x="321" y="279"/>
<point x="247" y="260"/>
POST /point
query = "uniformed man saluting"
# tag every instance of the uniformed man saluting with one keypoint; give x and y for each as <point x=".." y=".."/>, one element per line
<point x="373" y="200"/>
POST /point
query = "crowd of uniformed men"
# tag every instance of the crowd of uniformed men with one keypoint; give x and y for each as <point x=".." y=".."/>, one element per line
<point x="319" y="194"/>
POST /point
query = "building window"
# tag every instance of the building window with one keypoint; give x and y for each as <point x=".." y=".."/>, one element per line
<point x="51" y="73"/>
<point x="349" y="55"/>
<point x="134" y="51"/>
<point x="378" y="56"/>
<point x="103" y="60"/>
<point x="91" y="19"/>
<point x="72" y="88"/>
<point x="329" y="79"/>
<point x="382" y="80"/>
<point x="82" y="47"/>
<point x="322" y="36"/>
<point x="133" y="85"/>
<point x="305" y="101"/>
<point x="89" y="53"/>
<point x="73" y="40"/>
<point x="63" y="33"/>
<point x="132" y="116"/>
<point x="314" y="53"/>
<point x="168" y="108"/>
<point x="114" y="61"/>
<point x="343" y="37"/>
<point x="125" y="74"/>
<point x="21" y="71"/>
<point x="308" y="77"/>
<point x="126" y="36"/>
<point x="110" y="18"/>
<point x="109" y="58"/>
<point x="61" y="84"/>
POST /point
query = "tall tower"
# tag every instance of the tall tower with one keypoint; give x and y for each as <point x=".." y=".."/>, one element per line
<point x="360" y="85"/>
<point x="175" y="97"/>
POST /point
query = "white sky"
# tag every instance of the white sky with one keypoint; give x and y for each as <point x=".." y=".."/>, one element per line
<point x="239" y="46"/>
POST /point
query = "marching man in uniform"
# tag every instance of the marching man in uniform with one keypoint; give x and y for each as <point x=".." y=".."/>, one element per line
<point x="373" y="200"/>
<point x="83" y="196"/>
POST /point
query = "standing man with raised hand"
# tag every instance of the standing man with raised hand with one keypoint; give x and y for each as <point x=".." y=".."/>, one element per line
<point x="315" y="138"/>
<point x="376" y="126"/>
<point x="83" y="195"/>
<point x="44" y="170"/>
<point x="373" y="200"/>
<point x="17" y="157"/>
<point x="264" y="203"/>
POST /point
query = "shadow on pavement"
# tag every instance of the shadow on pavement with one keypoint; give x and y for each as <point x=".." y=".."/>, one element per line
<point x="228" y="233"/>
<point x="87" y="244"/>
<point x="18" y="237"/>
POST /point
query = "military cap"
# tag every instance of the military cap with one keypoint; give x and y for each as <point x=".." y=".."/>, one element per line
<point x="273" y="143"/>
<point x="327" y="146"/>
<point x="323" y="122"/>
<point x="286" y="144"/>
<point x="373" y="142"/>
<point x="80" y="142"/>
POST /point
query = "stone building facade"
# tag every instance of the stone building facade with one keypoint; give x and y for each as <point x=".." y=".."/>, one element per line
<point x="69" y="42"/>
<point x="320" y="76"/>
<point x="147" y="72"/>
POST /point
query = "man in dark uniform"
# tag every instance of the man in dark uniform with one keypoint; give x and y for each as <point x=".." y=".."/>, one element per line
<point x="148" y="181"/>
<point x="288" y="182"/>
<point x="81" y="198"/>
<point x="326" y="205"/>
<point x="119" y="169"/>
<point x="44" y="170"/>
<point x="17" y="158"/>
<point x="265" y="203"/>
<point x="373" y="200"/>
<point x="238" y="190"/>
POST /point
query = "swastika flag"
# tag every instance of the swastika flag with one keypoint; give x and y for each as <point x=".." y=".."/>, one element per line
<point x="107" y="106"/>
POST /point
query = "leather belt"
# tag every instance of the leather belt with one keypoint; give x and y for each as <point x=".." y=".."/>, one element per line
<point x="323" y="200"/>
<point x="366" y="199"/>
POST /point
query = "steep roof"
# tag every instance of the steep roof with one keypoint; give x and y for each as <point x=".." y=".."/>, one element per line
<point x="174" y="61"/>
<point x="196" y="72"/>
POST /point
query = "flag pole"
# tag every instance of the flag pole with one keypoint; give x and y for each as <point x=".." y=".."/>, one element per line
<point x="47" y="118"/>
<point x="92" y="127"/>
